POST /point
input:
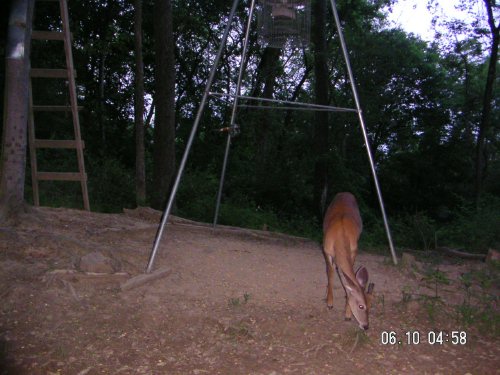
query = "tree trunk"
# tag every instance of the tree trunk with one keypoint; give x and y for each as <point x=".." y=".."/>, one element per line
<point x="100" y="103"/>
<point x="103" y="50"/>
<point x="266" y="77"/>
<point x="164" y="128"/>
<point x="140" y="172"/>
<point x="297" y="90"/>
<point x="321" y="92"/>
<point x="14" y="139"/>
<point x="485" y="123"/>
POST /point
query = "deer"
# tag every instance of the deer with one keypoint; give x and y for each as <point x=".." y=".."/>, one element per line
<point x="342" y="227"/>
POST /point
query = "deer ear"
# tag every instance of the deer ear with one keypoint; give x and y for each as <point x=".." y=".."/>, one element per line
<point x="352" y="285"/>
<point x="347" y="283"/>
<point x="362" y="276"/>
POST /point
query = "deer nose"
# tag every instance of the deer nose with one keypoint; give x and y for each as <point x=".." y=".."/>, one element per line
<point x="365" y="326"/>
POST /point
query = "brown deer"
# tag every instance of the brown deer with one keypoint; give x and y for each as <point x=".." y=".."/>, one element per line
<point x="342" y="227"/>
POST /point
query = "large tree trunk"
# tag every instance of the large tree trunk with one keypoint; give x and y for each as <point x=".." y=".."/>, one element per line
<point x="164" y="128"/>
<point x="140" y="172"/>
<point x="321" y="92"/>
<point x="14" y="140"/>
<point x="485" y="123"/>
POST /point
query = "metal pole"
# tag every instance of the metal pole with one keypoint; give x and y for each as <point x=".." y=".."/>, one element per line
<point x="363" y="128"/>
<point x="233" y="113"/>
<point x="182" y="165"/>
<point x="293" y="108"/>
<point x="295" y="104"/>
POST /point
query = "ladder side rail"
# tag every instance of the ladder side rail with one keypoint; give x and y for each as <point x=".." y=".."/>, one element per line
<point x="73" y="100"/>
<point x="32" y="149"/>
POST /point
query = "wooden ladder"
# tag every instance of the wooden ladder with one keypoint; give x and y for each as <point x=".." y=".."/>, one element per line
<point x="69" y="75"/>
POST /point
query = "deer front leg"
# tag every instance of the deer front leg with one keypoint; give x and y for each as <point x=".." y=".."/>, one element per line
<point x="352" y="253"/>
<point x="348" y="311"/>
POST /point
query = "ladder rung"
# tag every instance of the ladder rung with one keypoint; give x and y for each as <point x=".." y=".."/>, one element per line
<point x="50" y="73"/>
<point x="47" y="35"/>
<point x="54" y="143"/>
<point x="61" y="176"/>
<point x="55" y="108"/>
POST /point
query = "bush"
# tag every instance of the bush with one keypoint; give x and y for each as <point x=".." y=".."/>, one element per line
<point x="196" y="196"/>
<point x="416" y="231"/>
<point x="471" y="228"/>
<point x="55" y="193"/>
<point x="111" y="186"/>
<point x="474" y="228"/>
<point x="373" y="236"/>
<point x="248" y="216"/>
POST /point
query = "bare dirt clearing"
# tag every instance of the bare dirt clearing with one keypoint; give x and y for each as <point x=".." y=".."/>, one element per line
<point x="234" y="302"/>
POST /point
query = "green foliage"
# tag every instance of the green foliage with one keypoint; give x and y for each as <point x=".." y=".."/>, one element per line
<point x="196" y="200"/>
<point x="433" y="306"/>
<point x="479" y="307"/>
<point x="197" y="193"/>
<point x="421" y="102"/>
<point x="247" y="217"/>
<point x="435" y="276"/>
<point x="373" y="236"/>
<point x="466" y="314"/>
<point x="475" y="228"/>
<point x="58" y="194"/>
<point x="111" y="186"/>
<point x="415" y="231"/>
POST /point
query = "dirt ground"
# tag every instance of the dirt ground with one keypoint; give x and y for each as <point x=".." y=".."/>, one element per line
<point x="233" y="301"/>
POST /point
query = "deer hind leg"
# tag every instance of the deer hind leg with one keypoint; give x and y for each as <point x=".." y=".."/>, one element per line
<point x="330" y="274"/>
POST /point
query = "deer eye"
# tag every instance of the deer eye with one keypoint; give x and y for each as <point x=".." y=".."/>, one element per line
<point x="361" y="307"/>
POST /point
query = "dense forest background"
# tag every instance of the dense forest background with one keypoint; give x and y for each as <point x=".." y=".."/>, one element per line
<point x="423" y="104"/>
